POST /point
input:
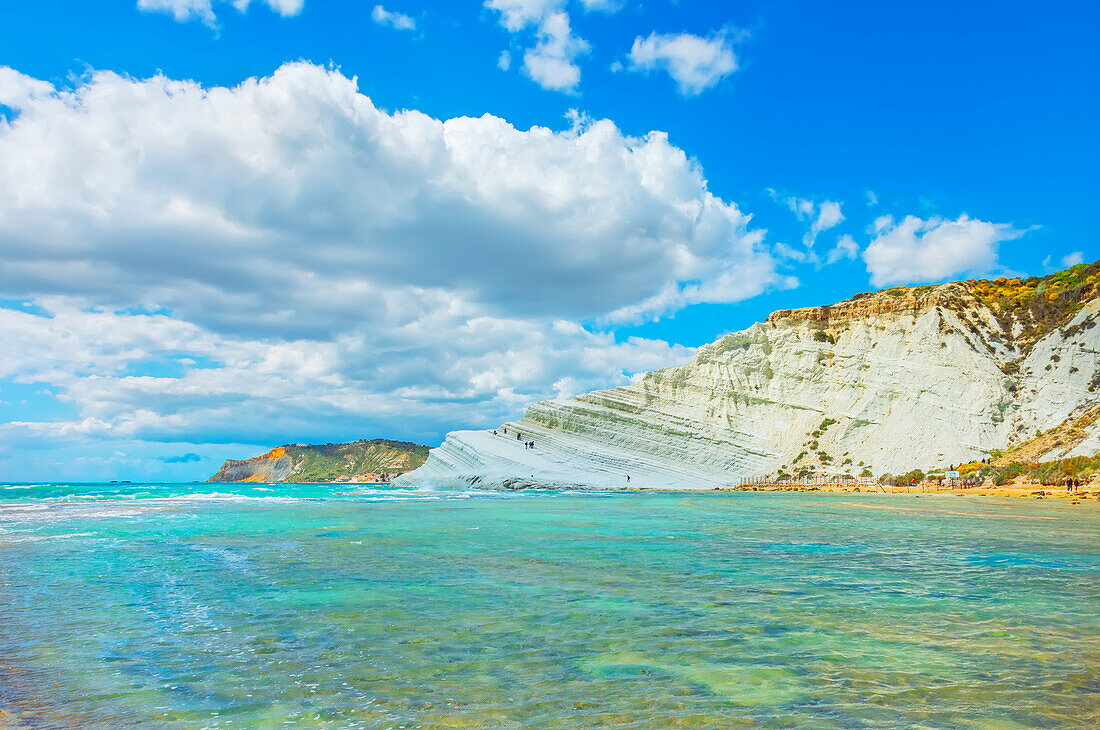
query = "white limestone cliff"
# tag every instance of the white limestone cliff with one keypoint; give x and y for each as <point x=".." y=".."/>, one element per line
<point x="903" y="379"/>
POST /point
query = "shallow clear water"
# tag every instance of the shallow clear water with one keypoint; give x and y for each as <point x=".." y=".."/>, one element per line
<point x="177" y="606"/>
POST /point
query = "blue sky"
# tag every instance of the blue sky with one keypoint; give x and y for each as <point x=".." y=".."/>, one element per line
<point x="196" y="269"/>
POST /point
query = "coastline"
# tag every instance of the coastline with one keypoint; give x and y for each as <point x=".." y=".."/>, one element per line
<point x="1085" y="494"/>
<point x="1034" y="491"/>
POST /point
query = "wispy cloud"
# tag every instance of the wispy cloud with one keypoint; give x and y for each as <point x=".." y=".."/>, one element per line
<point x="603" y="6"/>
<point x="695" y="63"/>
<point x="1072" y="259"/>
<point x="185" y="10"/>
<point x="393" y="19"/>
<point x="189" y="458"/>
<point x="845" y="248"/>
<point x="821" y="217"/>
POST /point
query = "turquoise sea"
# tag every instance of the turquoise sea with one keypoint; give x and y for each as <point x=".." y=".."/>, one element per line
<point x="141" y="605"/>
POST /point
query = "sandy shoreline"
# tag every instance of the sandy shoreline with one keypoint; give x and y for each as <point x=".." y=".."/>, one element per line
<point x="1031" y="491"/>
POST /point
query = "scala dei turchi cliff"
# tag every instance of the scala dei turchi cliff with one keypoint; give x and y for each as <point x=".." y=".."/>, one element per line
<point x="885" y="382"/>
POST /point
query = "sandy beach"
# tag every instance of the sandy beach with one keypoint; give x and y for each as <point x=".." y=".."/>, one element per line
<point x="1084" y="495"/>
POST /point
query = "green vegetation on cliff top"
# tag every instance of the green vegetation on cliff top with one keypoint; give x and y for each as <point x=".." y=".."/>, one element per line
<point x="1041" y="303"/>
<point x="325" y="462"/>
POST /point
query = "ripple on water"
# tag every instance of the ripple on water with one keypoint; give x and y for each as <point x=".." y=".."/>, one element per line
<point x="406" y="607"/>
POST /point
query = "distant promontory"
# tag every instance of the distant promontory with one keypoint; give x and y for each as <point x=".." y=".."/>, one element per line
<point x="359" y="461"/>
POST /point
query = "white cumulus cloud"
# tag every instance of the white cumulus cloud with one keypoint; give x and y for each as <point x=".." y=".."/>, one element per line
<point x="393" y="19"/>
<point x="233" y="385"/>
<point x="300" y="259"/>
<point x="552" y="61"/>
<point x="917" y="250"/>
<point x="695" y="63"/>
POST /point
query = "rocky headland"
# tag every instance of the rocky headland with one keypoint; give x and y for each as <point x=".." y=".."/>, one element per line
<point x="356" y="461"/>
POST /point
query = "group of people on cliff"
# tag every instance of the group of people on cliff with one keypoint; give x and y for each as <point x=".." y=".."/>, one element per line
<point x="519" y="437"/>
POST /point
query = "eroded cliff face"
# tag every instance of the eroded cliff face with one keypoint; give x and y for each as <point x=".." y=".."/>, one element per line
<point x="889" y="381"/>
<point x="274" y="466"/>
